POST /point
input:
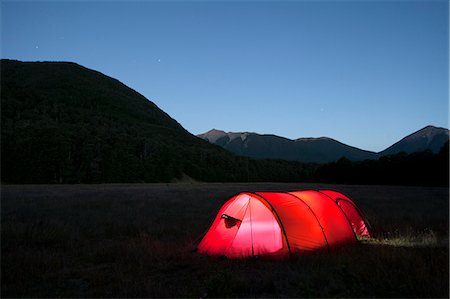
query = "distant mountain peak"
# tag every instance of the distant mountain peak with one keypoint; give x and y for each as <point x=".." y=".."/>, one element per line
<point x="215" y="131"/>
<point x="427" y="132"/>
<point x="428" y="138"/>
<point x="212" y="135"/>
<point x="313" y="138"/>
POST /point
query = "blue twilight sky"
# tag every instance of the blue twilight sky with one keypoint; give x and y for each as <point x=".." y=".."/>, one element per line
<point x="366" y="73"/>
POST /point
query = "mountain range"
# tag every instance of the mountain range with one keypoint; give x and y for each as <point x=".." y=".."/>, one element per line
<point x="322" y="149"/>
<point x="64" y="123"/>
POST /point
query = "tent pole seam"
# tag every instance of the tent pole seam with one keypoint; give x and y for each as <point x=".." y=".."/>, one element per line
<point x="345" y="215"/>
<point x="279" y="220"/>
<point x="251" y="225"/>
<point x="361" y="213"/>
<point x="363" y="217"/>
<point x="234" y="238"/>
<point x="315" y="216"/>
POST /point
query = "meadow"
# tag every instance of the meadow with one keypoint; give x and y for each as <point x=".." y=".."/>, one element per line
<point x="138" y="240"/>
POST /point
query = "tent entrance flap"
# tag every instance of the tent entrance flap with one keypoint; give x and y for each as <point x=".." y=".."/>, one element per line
<point x="258" y="234"/>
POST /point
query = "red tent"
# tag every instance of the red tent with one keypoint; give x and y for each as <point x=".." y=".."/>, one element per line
<point x="281" y="223"/>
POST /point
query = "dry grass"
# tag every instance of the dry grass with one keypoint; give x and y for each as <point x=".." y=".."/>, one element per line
<point x="136" y="241"/>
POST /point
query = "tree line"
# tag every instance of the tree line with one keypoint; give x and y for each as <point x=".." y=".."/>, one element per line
<point x="65" y="124"/>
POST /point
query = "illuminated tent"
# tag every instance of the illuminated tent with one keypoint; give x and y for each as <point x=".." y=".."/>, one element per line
<point x="282" y="223"/>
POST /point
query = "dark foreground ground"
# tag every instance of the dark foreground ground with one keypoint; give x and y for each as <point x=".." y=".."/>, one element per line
<point x="136" y="241"/>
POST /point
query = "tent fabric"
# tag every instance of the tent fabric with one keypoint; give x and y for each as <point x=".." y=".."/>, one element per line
<point x="356" y="217"/>
<point x="281" y="223"/>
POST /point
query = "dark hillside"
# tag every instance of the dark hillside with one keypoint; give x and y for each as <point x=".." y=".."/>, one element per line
<point x="57" y="90"/>
<point x="63" y="123"/>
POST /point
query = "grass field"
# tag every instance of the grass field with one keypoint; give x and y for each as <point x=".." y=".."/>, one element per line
<point x="137" y="241"/>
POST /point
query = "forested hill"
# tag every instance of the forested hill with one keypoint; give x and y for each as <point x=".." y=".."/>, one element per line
<point x="64" y="123"/>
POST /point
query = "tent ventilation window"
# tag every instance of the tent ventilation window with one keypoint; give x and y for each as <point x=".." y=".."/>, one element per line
<point x="230" y="221"/>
